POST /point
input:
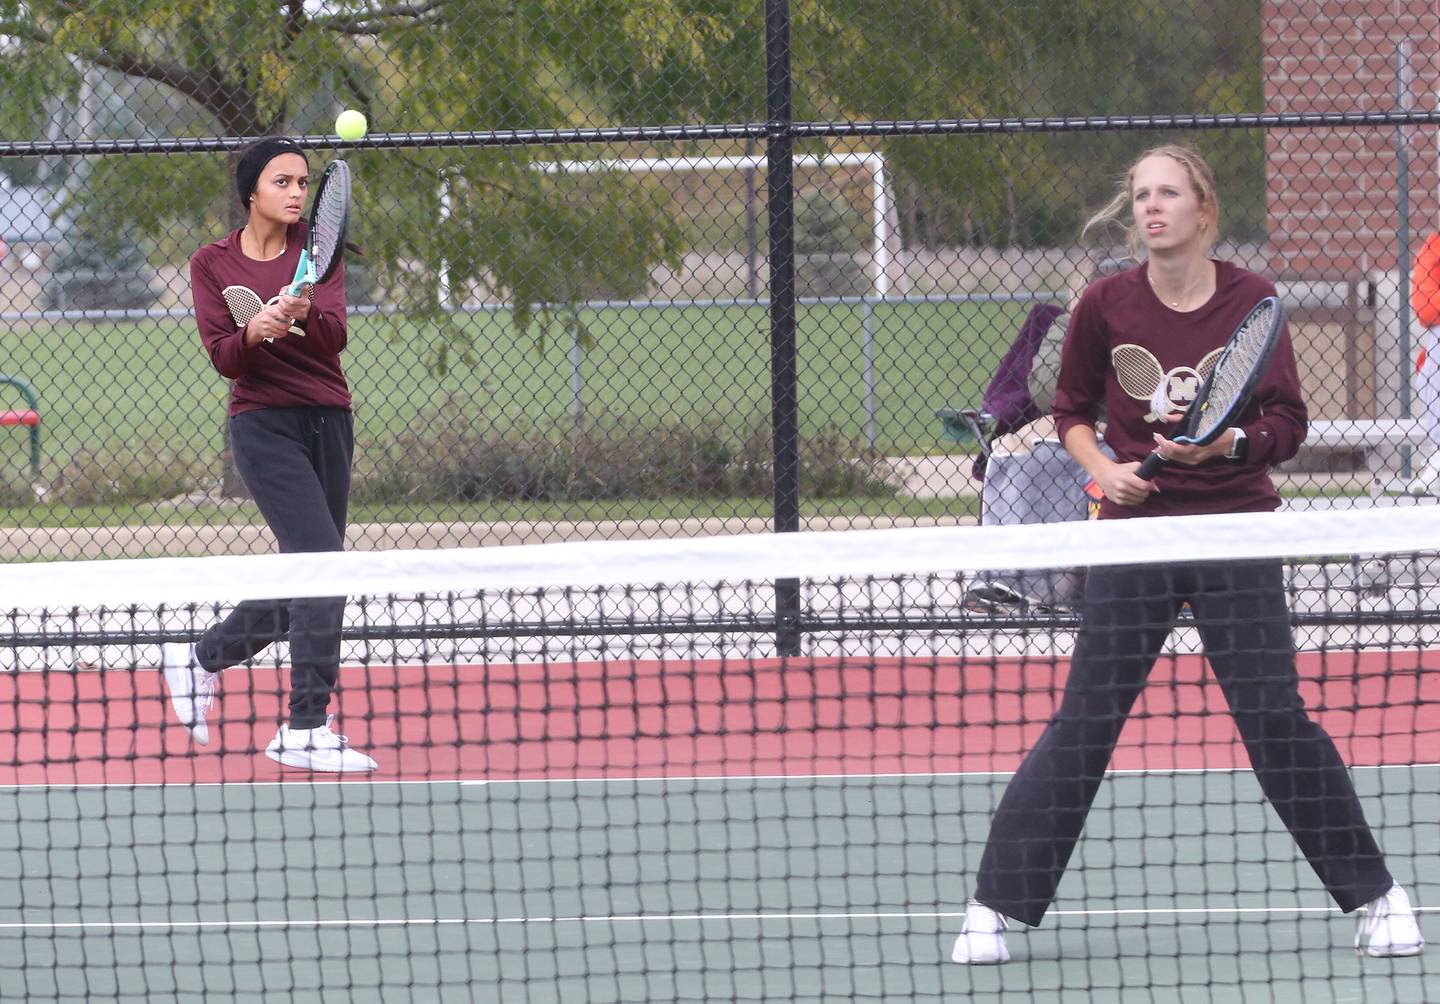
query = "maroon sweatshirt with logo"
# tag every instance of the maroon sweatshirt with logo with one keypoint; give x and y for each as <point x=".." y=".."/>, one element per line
<point x="288" y="372"/>
<point x="1124" y="343"/>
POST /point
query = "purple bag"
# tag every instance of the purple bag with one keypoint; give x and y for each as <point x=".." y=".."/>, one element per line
<point x="1007" y="399"/>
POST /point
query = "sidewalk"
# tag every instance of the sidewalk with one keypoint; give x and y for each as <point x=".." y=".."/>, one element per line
<point x="941" y="477"/>
<point x="946" y="476"/>
<point x="29" y="543"/>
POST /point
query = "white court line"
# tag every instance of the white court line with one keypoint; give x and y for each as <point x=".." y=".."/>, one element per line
<point x="667" y="779"/>
<point x="1129" y="772"/>
<point x="657" y="918"/>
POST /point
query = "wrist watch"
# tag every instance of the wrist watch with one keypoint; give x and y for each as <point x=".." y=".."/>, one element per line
<point x="1238" y="446"/>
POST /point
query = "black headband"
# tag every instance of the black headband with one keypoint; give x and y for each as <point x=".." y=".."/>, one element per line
<point x="253" y="160"/>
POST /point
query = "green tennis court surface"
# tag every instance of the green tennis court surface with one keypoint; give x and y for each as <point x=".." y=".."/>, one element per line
<point x="812" y="888"/>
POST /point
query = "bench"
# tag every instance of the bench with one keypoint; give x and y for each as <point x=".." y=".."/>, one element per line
<point x="1368" y="435"/>
<point x="28" y="418"/>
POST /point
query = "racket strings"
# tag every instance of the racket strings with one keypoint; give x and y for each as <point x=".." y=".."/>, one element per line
<point x="328" y="219"/>
<point x="1232" y="372"/>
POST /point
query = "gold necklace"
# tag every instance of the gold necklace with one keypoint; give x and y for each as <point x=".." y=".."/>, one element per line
<point x="1174" y="304"/>
<point x="246" y="231"/>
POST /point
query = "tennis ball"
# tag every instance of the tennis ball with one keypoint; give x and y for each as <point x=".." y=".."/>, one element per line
<point x="350" y="124"/>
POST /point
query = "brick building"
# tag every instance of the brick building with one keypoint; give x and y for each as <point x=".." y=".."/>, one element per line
<point x="1336" y="197"/>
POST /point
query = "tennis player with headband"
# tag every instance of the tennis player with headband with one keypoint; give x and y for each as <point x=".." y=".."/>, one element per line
<point x="1138" y="345"/>
<point x="292" y="434"/>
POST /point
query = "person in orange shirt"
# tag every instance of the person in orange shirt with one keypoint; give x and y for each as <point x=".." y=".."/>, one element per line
<point x="1425" y="302"/>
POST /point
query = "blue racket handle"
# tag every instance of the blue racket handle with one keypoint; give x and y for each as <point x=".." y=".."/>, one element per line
<point x="302" y="273"/>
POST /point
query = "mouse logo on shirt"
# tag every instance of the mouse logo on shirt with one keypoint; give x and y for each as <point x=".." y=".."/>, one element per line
<point x="1142" y="377"/>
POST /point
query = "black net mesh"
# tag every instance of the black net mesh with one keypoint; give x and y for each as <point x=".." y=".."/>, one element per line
<point x="591" y="771"/>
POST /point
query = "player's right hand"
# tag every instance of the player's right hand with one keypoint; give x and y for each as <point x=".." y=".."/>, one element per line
<point x="272" y="322"/>
<point x="1121" y="486"/>
<point x="295" y="308"/>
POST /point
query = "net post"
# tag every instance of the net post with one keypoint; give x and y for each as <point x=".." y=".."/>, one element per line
<point x="784" y="400"/>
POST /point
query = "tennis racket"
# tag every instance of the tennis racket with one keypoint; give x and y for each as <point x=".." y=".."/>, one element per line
<point x="1228" y="388"/>
<point x="245" y="304"/>
<point x="329" y="220"/>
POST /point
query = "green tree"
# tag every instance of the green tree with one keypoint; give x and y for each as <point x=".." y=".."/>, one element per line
<point x="251" y="67"/>
<point x="255" y="68"/>
<point x="1163" y="57"/>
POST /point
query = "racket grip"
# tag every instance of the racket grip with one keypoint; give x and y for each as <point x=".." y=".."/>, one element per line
<point x="297" y="285"/>
<point x="1150" y="466"/>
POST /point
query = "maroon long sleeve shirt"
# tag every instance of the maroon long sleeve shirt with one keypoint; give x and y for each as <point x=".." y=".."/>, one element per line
<point x="1124" y="343"/>
<point x="288" y="372"/>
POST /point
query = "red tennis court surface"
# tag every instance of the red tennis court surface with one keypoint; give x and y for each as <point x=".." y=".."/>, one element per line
<point x="684" y="718"/>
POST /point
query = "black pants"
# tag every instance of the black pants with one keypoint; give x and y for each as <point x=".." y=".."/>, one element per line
<point x="296" y="463"/>
<point x="1240" y="610"/>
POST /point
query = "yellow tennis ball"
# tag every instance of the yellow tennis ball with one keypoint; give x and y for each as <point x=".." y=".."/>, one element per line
<point x="350" y="124"/>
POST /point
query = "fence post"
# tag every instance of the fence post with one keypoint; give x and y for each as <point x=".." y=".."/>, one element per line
<point x="1402" y="238"/>
<point x="784" y="399"/>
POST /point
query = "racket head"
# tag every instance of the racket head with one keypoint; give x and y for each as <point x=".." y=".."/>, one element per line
<point x="244" y="304"/>
<point x="1238" y="371"/>
<point x="329" y="221"/>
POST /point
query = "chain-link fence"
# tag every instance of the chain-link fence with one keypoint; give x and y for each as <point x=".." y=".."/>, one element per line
<point x="635" y="268"/>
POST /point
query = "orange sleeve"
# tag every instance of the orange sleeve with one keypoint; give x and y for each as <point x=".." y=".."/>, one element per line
<point x="1425" y="283"/>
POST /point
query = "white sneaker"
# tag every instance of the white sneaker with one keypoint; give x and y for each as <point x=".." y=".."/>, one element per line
<point x="192" y="689"/>
<point x="982" y="937"/>
<point x="316" y="749"/>
<point x="1427" y="479"/>
<point x="1388" y="927"/>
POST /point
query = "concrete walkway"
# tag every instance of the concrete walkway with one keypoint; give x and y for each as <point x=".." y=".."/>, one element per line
<point x="29" y="543"/>
<point x="937" y="477"/>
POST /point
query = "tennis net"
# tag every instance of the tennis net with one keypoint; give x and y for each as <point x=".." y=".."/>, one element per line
<point x="601" y="776"/>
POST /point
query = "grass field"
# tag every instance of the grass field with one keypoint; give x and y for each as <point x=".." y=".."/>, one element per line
<point x="148" y="384"/>
<point x="143" y="396"/>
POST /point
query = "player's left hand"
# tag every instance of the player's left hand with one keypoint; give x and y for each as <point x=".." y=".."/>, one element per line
<point x="1189" y="453"/>
<point x="296" y="308"/>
